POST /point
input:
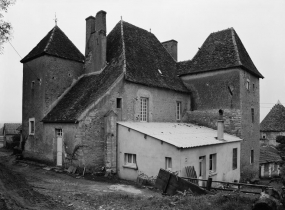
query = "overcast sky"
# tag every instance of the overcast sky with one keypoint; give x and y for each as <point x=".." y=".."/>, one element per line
<point x="260" y="25"/>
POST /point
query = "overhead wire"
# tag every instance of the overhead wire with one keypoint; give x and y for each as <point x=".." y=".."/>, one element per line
<point x="26" y="63"/>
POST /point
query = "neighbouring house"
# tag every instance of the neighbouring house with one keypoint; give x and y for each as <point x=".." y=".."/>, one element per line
<point x="10" y="130"/>
<point x="273" y="125"/>
<point x="270" y="162"/>
<point x="147" y="147"/>
<point x="74" y="103"/>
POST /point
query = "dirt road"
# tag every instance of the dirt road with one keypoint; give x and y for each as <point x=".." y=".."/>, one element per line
<point x="26" y="186"/>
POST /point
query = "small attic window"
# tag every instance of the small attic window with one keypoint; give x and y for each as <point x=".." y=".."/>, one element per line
<point x="159" y="71"/>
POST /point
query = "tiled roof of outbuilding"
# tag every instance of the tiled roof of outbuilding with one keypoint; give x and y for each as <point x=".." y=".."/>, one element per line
<point x="268" y="155"/>
<point x="274" y="120"/>
<point x="148" y="62"/>
<point x="11" y="128"/>
<point x="221" y="50"/>
<point x="90" y="87"/>
<point x="55" y="43"/>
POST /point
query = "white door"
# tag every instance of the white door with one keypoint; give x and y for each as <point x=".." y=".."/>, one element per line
<point x="59" y="151"/>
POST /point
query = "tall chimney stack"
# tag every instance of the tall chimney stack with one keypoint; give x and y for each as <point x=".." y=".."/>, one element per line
<point x="221" y="125"/>
<point x="96" y="43"/>
<point x="171" y="47"/>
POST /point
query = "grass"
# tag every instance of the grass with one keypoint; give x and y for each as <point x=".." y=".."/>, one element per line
<point x="219" y="201"/>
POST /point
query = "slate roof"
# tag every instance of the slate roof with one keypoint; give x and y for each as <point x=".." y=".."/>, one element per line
<point x="269" y="155"/>
<point x="181" y="135"/>
<point x="55" y="43"/>
<point x="221" y="50"/>
<point x="144" y="54"/>
<point x="274" y="120"/>
<point x="145" y="57"/>
<point x="11" y="128"/>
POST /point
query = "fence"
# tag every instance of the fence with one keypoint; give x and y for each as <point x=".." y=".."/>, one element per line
<point x="209" y="182"/>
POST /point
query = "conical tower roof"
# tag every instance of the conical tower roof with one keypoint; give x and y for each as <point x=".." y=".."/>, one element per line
<point x="221" y="50"/>
<point x="275" y="119"/>
<point x="57" y="44"/>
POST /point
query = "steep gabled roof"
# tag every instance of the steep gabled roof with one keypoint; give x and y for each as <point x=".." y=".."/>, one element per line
<point x="144" y="57"/>
<point x="11" y="128"/>
<point x="147" y="61"/>
<point x="268" y="155"/>
<point x="221" y="50"/>
<point x="90" y="87"/>
<point x="274" y="120"/>
<point x="55" y="43"/>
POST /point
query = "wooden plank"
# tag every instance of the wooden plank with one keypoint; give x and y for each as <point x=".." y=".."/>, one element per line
<point x="176" y="183"/>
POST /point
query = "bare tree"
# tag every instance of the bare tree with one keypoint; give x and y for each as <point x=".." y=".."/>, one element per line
<point x="5" y="27"/>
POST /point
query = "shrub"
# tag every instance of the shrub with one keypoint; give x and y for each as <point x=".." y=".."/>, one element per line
<point x="15" y="142"/>
<point x="280" y="139"/>
<point x="248" y="173"/>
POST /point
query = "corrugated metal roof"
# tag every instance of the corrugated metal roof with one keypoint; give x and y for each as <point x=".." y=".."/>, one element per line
<point x="180" y="134"/>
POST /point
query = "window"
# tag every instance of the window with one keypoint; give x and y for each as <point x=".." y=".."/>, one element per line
<point x="253" y="87"/>
<point x="33" y="85"/>
<point x="168" y="163"/>
<point x="252" y="115"/>
<point x="58" y="132"/>
<point x="32" y="126"/>
<point x="144" y="109"/>
<point x="213" y="162"/>
<point x="251" y="156"/>
<point x="178" y="110"/>
<point x="247" y="84"/>
<point x="119" y="103"/>
<point x="234" y="158"/>
<point x="130" y="160"/>
<point x="264" y="136"/>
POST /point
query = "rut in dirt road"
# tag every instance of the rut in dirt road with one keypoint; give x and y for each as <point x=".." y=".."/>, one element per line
<point x="16" y="193"/>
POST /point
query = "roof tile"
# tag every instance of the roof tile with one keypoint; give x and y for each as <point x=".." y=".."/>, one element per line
<point x="274" y="120"/>
<point x="55" y="43"/>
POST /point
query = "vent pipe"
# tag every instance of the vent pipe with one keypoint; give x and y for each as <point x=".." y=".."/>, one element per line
<point x="221" y="125"/>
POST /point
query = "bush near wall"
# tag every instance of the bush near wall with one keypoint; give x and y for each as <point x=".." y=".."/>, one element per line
<point x="15" y="142"/>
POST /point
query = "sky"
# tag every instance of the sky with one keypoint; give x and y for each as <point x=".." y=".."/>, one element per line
<point x="259" y="24"/>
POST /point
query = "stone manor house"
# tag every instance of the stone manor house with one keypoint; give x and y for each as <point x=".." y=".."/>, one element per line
<point x="72" y="101"/>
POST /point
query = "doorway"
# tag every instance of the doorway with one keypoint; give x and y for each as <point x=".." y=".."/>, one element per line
<point x="202" y="170"/>
<point x="58" y="133"/>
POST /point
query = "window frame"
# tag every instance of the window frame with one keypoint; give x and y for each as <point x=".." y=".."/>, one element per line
<point x="178" y="110"/>
<point x="213" y="162"/>
<point x="133" y="158"/>
<point x="143" y="109"/>
<point x="58" y="131"/>
<point x="235" y="158"/>
<point x="168" y="162"/>
<point x="251" y="159"/>
<point x="252" y="115"/>
<point x="32" y="121"/>
<point x="119" y="103"/>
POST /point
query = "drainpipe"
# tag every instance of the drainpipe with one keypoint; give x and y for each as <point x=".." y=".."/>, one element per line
<point x="221" y="125"/>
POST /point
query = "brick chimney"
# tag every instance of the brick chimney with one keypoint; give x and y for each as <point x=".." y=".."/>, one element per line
<point x="96" y="43"/>
<point x="171" y="47"/>
<point x="221" y="125"/>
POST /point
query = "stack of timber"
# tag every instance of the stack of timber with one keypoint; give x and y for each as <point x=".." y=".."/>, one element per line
<point x="170" y="183"/>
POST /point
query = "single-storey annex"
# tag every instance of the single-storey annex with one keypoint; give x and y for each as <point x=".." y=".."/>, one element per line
<point x="147" y="147"/>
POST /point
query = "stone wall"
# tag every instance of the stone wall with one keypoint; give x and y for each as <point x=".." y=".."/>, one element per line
<point x="270" y="137"/>
<point x="44" y="79"/>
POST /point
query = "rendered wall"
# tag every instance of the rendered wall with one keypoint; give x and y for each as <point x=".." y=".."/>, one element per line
<point x="151" y="153"/>
<point x="270" y="137"/>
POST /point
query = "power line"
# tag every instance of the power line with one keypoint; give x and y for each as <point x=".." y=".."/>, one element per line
<point x="26" y="63"/>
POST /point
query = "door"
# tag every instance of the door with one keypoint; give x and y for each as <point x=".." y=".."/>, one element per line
<point x="59" y="151"/>
<point x="202" y="170"/>
<point x="58" y="133"/>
